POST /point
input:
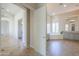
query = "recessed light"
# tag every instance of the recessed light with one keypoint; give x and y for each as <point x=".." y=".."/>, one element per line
<point x="65" y="5"/>
<point x="72" y="20"/>
<point x="7" y="10"/>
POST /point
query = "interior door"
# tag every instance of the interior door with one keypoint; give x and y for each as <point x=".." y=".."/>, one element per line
<point x="72" y="26"/>
<point x="40" y="30"/>
<point x="20" y="29"/>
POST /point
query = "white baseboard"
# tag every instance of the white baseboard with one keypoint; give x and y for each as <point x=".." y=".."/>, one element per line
<point x="56" y="37"/>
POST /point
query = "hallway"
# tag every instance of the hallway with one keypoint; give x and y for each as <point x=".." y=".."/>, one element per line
<point x="19" y="26"/>
<point x="62" y="47"/>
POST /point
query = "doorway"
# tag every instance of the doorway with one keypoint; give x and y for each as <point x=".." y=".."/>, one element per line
<point x="20" y="30"/>
<point x="14" y="27"/>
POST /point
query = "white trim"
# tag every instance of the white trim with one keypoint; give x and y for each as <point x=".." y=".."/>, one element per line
<point x="24" y="7"/>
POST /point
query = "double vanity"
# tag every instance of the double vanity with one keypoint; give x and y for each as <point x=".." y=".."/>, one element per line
<point x="71" y="35"/>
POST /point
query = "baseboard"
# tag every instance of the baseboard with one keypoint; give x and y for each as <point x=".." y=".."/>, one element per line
<point x="56" y="37"/>
<point x="37" y="52"/>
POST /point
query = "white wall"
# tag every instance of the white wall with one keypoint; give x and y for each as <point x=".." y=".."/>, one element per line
<point x="8" y="39"/>
<point x="55" y="19"/>
<point x="62" y="21"/>
<point x="4" y="27"/>
<point x="37" y="43"/>
<point x="21" y="15"/>
<point x="11" y="40"/>
<point x="31" y="28"/>
<point x="18" y="16"/>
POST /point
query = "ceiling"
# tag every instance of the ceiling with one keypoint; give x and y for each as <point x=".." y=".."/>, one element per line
<point x="31" y="6"/>
<point x="8" y="9"/>
<point x="59" y="8"/>
<point x="52" y="8"/>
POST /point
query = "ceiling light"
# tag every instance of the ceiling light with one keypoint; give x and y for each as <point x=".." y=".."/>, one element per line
<point x="65" y="5"/>
<point x="72" y="20"/>
<point x="7" y="10"/>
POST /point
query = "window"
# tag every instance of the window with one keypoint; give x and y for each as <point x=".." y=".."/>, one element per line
<point x="66" y="27"/>
<point x="48" y="29"/>
<point x="55" y="28"/>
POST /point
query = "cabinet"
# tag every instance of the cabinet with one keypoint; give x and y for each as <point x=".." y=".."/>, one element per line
<point x="71" y="35"/>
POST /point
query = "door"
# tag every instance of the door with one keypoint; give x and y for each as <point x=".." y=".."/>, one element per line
<point x="72" y="27"/>
<point x="39" y="28"/>
<point x="20" y="29"/>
